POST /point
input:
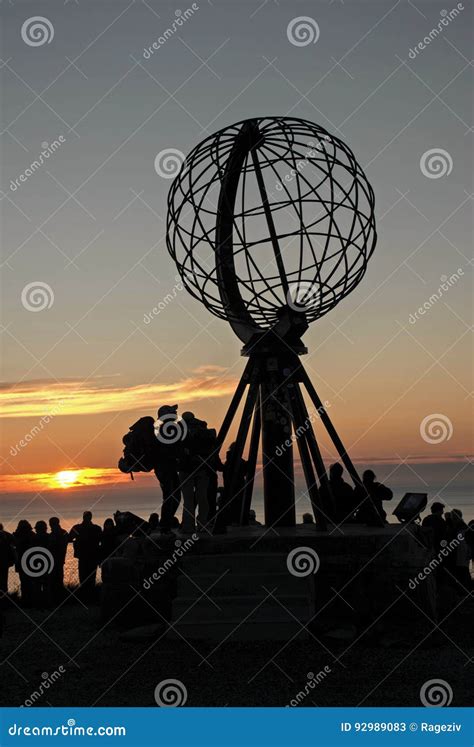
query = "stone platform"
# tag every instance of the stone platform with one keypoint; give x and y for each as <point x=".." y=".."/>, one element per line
<point x="260" y="584"/>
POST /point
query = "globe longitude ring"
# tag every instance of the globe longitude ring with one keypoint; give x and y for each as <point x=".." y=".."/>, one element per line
<point x="269" y="217"/>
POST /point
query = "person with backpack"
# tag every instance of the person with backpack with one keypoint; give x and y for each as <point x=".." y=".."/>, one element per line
<point x="169" y="435"/>
<point x="199" y="446"/>
<point x="139" y="454"/>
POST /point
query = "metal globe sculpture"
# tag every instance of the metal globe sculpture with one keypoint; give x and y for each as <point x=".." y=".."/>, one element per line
<point x="269" y="213"/>
<point x="271" y="224"/>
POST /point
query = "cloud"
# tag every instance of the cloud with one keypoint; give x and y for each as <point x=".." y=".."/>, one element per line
<point x="43" y="397"/>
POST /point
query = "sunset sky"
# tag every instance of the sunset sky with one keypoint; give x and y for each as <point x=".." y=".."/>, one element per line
<point x="90" y="223"/>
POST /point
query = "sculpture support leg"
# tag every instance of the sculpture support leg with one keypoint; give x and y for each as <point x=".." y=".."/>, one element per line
<point x="252" y="462"/>
<point x="345" y="458"/>
<point x="277" y="449"/>
<point x="301" y="427"/>
<point x="224" y="515"/>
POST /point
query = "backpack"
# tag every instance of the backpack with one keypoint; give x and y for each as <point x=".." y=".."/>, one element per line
<point x="140" y="444"/>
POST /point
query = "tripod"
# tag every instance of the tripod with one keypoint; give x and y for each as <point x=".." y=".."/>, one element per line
<point x="276" y="411"/>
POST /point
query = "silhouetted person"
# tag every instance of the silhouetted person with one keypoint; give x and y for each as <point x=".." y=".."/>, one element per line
<point x="58" y="539"/>
<point x="371" y="510"/>
<point x="42" y="581"/>
<point x="308" y="519"/>
<point x="470" y="537"/>
<point x="153" y="523"/>
<point x="436" y="523"/>
<point x="199" y="445"/>
<point x="168" y="450"/>
<point x="233" y="500"/>
<point x="342" y="493"/>
<point x="108" y="540"/>
<point x="24" y="539"/>
<point x="6" y="560"/>
<point x="462" y="553"/>
<point x="253" y="519"/>
<point x="86" y="539"/>
<point x="214" y="465"/>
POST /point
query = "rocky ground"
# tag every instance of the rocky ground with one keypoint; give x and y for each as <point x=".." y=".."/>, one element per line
<point x="386" y="666"/>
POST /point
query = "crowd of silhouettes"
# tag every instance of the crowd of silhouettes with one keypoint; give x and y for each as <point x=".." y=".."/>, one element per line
<point x="184" y="456"/>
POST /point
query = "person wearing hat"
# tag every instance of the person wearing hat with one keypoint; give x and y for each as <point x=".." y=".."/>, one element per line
<point x="169" y="434"/>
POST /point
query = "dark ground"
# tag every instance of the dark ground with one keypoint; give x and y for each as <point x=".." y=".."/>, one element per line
<point x="386" y="667"/>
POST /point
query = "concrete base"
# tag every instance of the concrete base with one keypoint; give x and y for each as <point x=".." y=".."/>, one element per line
<point x="243" y="585"/>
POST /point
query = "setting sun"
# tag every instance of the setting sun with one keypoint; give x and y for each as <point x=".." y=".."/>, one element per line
<point x="67" y="478"/>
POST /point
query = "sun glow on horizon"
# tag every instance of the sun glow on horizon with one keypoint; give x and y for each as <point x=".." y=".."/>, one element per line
<point x="67" y="478"/>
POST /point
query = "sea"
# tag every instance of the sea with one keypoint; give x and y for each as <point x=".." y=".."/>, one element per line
<point x="451" y="483"/>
